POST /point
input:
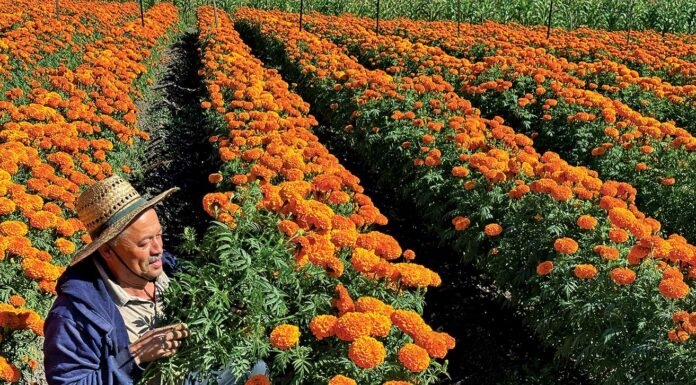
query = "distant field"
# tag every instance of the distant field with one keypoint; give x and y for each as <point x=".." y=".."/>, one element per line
<point x="673" y="16"/>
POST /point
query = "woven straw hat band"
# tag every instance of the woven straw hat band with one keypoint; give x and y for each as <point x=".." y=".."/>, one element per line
<point x="105" y="202"/>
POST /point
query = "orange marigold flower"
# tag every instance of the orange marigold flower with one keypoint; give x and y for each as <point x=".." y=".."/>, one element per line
<point x="17" y="300"/>
<point x="15" y="228"/>
<point x="461" y="223"/>
<point x="618" y="235"/>
<point x="410" y="322"/>
<point x="621" y="217"/>
<point x="544" y="268"/>
<point x="288" y="227"/>
<point x="8" y="372"/>
<point x="585" y="271"/>
<point x="587" y="222"/>
<point x="373" y="305"/>
<point x="364" y="260"/>
<point x="343" y="303"/>
<point x="215" y="177"/>
<point x="381" y="324"/>
<point x="397" y="383"/>
<point x="285" y="336"/>
<point x="367" y="352"/>
<point x="565" y="246"/>
<point x="323" y="326"/>
<point x="353" y="325"/>
<point x="409" y="254"/>
<point x="7" y="206"/>
<point x="672" y="272"/>
<point x="415" y="275"/>
<point x="414" y="358"/>
<point x="435" y="343"/>
<point x="493" y="229"/>
<point x="623" y="276"/>
<point x="65" y="246"/>
<point x="460" y="171"/>
<point x="341" y="380"/>
<point x="607" y="252"/>
<point x="674" y="288"/>
<point x="258" y="379"/>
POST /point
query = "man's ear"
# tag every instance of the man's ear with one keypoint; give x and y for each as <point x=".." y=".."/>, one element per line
<point x="105" y="251"/>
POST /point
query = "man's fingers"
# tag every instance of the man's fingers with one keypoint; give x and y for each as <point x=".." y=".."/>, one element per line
<point x="171" y="345"/>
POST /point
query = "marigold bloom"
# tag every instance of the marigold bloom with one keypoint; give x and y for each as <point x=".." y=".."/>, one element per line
<point x="587" y="222"/>
<point x="618" y="235"/>
<point x="323" y="326"/>
<point x="285" y="336"/>
<point x="461" y="223"/>
<point x="15" y="228"/>
<point x="414" y="358"/>
<point x="607" y="252"/>
<point x="8" y="372"/>
<point x="258" y="379"/>
<point x="353" y="325"/>
<point x="410" y="322"/>
<point x="565" y="246"/>
<point x="623" y="276"/>
<point x="343" y="303"/>
<point x="367" y="352"/>
<point x="381" y="324"/>
<point x="493" y="229"/>
<point x="585" y="271"/>
<point x="674" y="288"/>
<point x="341" y="380"/>
<point x="65" y="246"/>
<point x="373" y="305"/>
<point x="544" y="268"/>
<point x="17" y="300"/>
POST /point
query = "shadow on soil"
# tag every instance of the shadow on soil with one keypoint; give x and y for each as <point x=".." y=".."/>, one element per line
<point x="178" y="153"/>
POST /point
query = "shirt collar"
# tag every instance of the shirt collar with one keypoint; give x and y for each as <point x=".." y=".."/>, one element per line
<point x="120" y="297"/>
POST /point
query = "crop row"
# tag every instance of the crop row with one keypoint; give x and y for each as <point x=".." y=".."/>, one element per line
<point x="669" y="57"/>
<point x="586" y="266"/>
<point x="62" y="129"/>
<point x="585" y="128"/>
<point x="326" y="297"/>
<point x="645" y="92"/>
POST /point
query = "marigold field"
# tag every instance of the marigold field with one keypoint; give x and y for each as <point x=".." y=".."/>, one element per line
<point x="561" y="168"/>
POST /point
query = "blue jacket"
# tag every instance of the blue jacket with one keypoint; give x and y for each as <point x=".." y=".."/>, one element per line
<point x="86" y="342"/>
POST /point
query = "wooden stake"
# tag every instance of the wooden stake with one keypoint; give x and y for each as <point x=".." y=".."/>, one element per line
<point x="301" y="12"/>
<point x="377" y="27"/>
<point x="57" y="9"/>
<point x="548" y="27"/>
<point x="142" y="14"/>
<point x="215" y="13"/>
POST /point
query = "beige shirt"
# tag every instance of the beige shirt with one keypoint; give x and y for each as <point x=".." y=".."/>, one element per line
<point x="138" y="313"/>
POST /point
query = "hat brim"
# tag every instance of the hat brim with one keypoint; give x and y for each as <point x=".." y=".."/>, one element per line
<point x="112" y="231"/>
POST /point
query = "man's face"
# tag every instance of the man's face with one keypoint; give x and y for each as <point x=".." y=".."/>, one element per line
<point x="140" y="246"/>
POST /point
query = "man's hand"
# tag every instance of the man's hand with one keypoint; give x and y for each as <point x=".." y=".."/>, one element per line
<point x="159" y="342"/>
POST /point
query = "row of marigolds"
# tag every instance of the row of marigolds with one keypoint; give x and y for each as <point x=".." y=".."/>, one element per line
<point x="316" y="293"/>
<point x="595" y="278"/>
<point x="65" y="117"/>
<point x="584" y="127"/>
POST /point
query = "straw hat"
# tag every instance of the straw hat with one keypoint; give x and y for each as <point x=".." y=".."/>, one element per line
<point x="107" y="207"/>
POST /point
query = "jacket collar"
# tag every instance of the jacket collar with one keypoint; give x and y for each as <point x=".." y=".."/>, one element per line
<point x="83" y="283"/>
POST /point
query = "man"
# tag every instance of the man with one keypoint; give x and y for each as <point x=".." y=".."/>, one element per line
<point x="102" y="328"/>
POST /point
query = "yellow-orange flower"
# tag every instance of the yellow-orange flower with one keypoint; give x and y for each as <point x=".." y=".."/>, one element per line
<point x="493" y="229"/>
<point x="341" y="380"/>
<point x="587" y="222"/>
<point x="353" y="325"/>
<point x="544" y="268"/>
<point x="323" y="326"/>
<point x="623" y="276"/>
<point x="414" y="358"/>
<point x="285" y="336"/>
<point x="367" y="352"/>
<point x="674" y="288"/>
<point x="585" y="271"/>
<point x="565" y="246"/>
